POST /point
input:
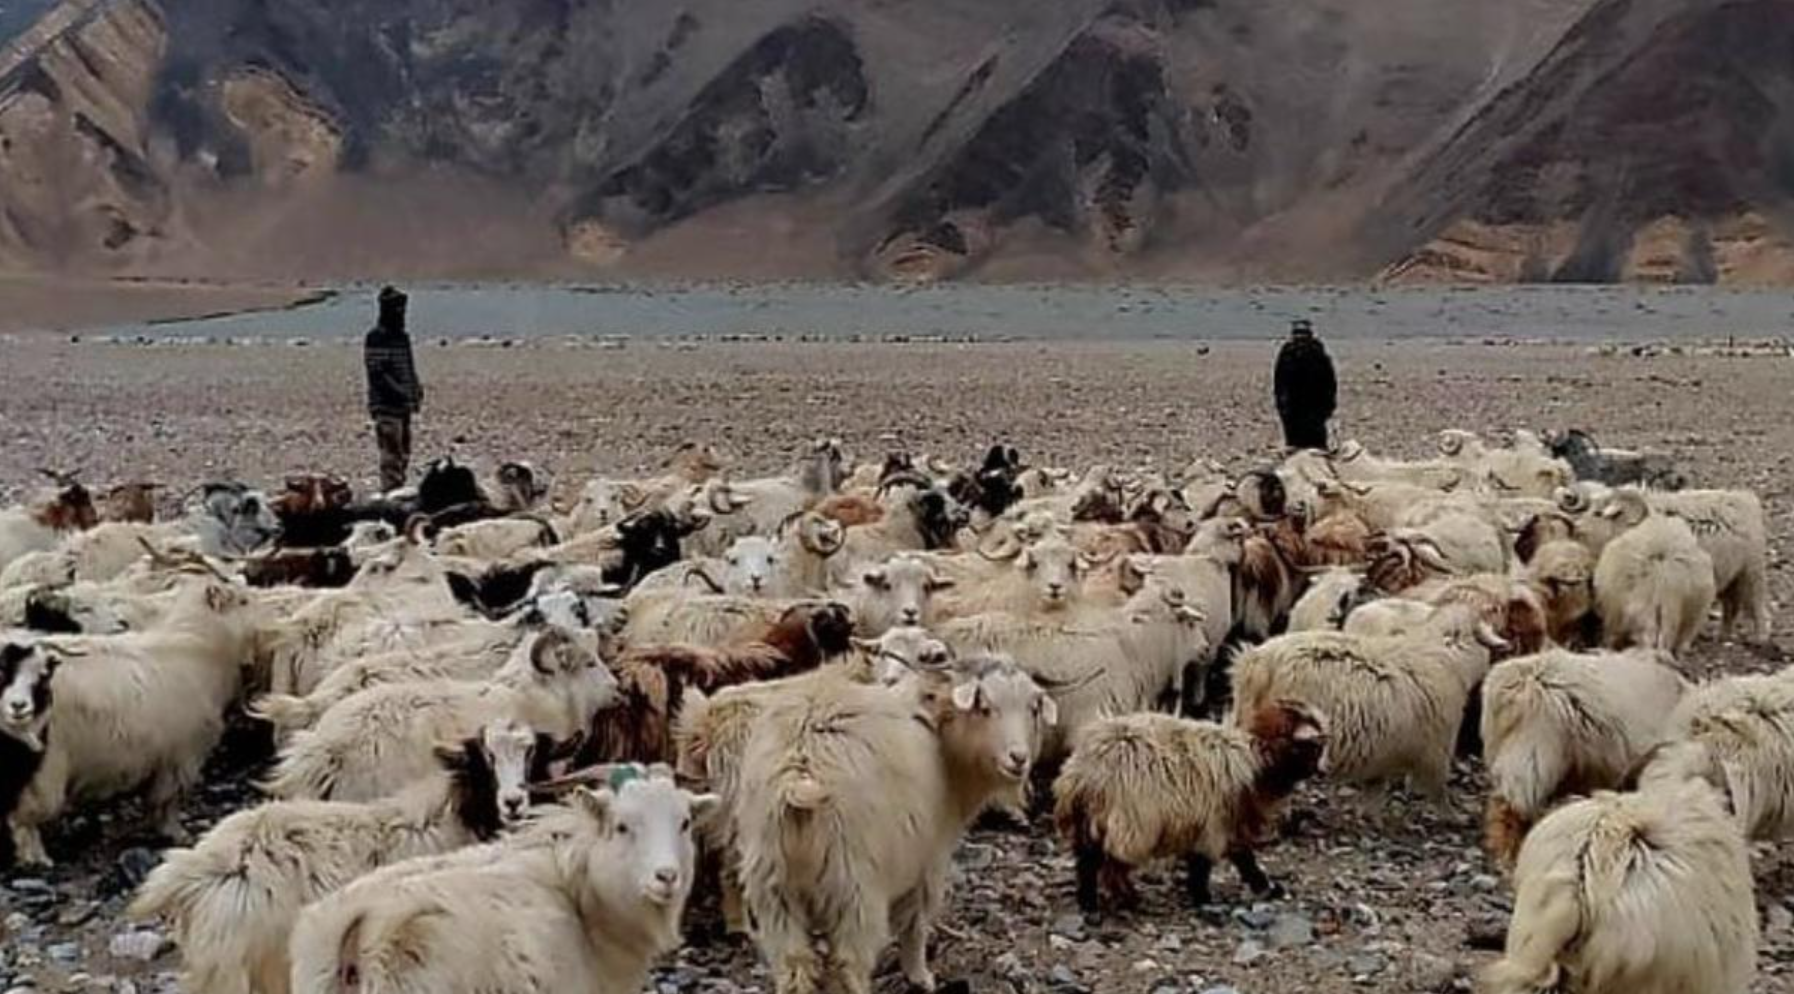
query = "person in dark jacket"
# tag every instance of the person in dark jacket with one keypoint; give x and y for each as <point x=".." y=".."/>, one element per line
<point x="1306" y="388"/>
<point x="394" y="393"/>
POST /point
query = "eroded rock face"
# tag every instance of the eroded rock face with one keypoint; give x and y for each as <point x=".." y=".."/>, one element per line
<point x="1653" y="140"/>
<point x="79" y="183"/>
<point x="1422" y="140"/>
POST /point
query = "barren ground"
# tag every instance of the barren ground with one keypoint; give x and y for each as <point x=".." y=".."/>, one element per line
<point x="1391" y="886"/>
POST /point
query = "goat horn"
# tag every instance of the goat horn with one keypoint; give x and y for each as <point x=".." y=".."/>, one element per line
<point x="157" y="556"/>
<point x="1006" y="549"/>
<point x="835" y="542"/>
<point x="1098" y="562"/>
<point x="414" y="528"/>
<point x="703" y="574"/>
<point x="1428" y="552"/>
<point x="1572" y="500"/>
<point x="905" y="478"/>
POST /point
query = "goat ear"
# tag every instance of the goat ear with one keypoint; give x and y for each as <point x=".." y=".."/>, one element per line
<point x="559" y="752"/>
<point x="1049" y="710"/>
<point x="541" y="657"/>
<point x="875" y="578"/>
<point x="218" y="599"/>
<point x="463" y="589"/>
<point x="1308" y="731"/>
<point x="455" y="759"/>
<point x="594" y="804"/>
<point x="938" y="583"/>
<point x="965" y="695"/>
<point x="704" y="806"/>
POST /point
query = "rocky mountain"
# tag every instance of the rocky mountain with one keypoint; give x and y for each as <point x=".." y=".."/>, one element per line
<point x="1589" y="140"/>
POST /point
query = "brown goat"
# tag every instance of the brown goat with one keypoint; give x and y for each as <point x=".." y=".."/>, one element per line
<point x="130" y="502"/>
<point x="1266" y="584"/>
<point x="71" y="509"/>
<point x="652" y="679"/>
<point x="1339" y="539"/>
<point x="851" y="510"/>
<point x="311" y="493"/>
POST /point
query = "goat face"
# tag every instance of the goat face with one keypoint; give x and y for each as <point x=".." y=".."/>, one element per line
<point x="650" y="541"/>
<point x="312" y="493"/>
<point x="995" y="716"/>
<point x="71" y="509"/>
<point x="520" y="486"/>
<point x="510" y="749"/>
<point x="752" y="564"/>
<point x="25" y="695"/>
<point x="244" y="519"/>
<point x="560" y="660"/>
<point x="1054" y="570"/>
<point x="903" y="651"/>
<point x="898" y="593"/>
<point x="939" y="518"/>
<point x="447" y="484"/>
<point x="831" y="627"/>
<point x="825" y="470"/>
<point x="1264" y="495"/>
<point x="130" y="502"/>
<point x="646" y="824"/>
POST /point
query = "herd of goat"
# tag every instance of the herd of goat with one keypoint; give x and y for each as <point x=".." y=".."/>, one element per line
<point x="507" y="738"/>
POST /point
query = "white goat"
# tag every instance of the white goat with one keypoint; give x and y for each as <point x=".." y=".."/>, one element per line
<point x="588" y="909"/>
<point x="232" y="900"/>
<point x="382" y="739"/>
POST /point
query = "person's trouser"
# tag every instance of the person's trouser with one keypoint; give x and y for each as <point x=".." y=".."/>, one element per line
<point x="1305" y="432"/>
<point x="392" y="433"/>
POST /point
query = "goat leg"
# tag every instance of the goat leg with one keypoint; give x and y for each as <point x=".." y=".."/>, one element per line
<point x="1089" y="862"/>
<point x="1246" y="863"/>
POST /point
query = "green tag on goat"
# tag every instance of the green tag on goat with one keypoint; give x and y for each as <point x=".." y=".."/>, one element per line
<point x="623" y="774"/>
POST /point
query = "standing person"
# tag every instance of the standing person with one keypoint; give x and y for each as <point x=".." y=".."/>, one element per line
<point x="1306" y="388"/>
<point x="394" y="393"/>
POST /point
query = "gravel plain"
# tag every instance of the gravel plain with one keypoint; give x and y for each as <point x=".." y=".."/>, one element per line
<point x="1387" y="892"/>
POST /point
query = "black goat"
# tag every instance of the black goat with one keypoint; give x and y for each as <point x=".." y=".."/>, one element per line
<point x="650" y="542"/>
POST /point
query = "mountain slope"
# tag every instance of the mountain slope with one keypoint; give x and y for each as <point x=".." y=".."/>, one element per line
<point x="906" y="139"/>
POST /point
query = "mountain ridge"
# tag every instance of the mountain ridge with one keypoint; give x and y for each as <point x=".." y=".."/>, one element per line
<point x="913" y="140"/>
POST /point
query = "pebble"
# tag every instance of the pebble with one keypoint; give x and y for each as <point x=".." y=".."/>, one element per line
<point x="1069" y="926"/>
<point x="135" y="864"/>
<point x="1249" y="952"/>
<point x="64" y="952"/>
<point x="31" y="885"/>
<point x="142" y="946"/>
<point x="1432" y="973"/>
<point x="1779" y="920"/>
<point x="1485" y="882"/>
<point x="1289" y="931"/>
<point x="1166" y="987"/>
<point x="77" y="914"/>
<point x="1008" y="966"/>
<point x="1365" y="965"/>
<point x="1220" y="990"/>
<point x="1146" y="966"/>
<point x="1258" y="918"/>
<point x="1062" y="976"/>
